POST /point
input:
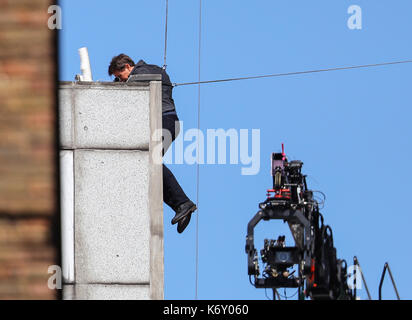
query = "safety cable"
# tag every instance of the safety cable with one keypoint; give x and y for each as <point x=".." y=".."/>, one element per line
<point x="293" y="73"/>
<point x="198" y="167"/>
<point x="165" y="52"/>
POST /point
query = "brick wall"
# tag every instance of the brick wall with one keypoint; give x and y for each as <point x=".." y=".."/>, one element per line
<point x="28" y="187"/>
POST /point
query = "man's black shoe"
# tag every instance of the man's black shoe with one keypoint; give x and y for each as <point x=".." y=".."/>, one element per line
<point x="183" y="210"/>
<point x="182" y="224"/>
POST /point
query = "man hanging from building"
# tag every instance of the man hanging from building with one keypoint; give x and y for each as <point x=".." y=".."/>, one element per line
<point x="123" y="68"/>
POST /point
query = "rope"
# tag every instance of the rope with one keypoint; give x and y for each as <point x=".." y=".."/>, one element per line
<point x="294" y="73"/>
<point x="165" y="53"/>
<point x="197" y="168"/>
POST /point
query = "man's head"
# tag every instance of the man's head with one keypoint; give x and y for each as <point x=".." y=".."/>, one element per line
<point x="121" y="66"/>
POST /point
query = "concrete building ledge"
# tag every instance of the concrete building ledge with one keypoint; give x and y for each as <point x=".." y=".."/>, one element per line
<point x="112" y="189"/>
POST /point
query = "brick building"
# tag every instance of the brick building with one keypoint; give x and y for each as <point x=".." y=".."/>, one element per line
<point x="29" y="202"/>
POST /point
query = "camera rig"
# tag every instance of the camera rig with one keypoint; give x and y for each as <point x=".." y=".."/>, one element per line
<point x="320" y="274"/>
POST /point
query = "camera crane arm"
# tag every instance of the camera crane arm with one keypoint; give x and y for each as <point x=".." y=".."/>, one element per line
<point x="314" y="253"/>
<point x="293" y="217"/>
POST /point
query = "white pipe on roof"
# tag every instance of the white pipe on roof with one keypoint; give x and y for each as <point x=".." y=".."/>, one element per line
<point x="85" y="65"/>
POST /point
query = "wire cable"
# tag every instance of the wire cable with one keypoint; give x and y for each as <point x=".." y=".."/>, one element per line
<point x="198" y="166"/>
<point x="277" y="294"/>
<point x="320" y="201"/>
<point x="294" y="73"/>
<point x="286" y="297"/>
<point x="250" y="280"/>
<point x="266" y="295"/>
<point x="165" y="52"/>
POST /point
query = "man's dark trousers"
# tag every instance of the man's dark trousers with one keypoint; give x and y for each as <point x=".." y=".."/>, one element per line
<point x="173" y="193"/>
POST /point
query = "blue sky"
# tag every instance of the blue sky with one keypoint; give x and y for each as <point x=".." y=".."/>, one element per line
<point x="350" y="128"/>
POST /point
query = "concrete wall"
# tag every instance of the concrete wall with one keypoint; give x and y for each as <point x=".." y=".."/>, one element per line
<point x="112" y="197"/>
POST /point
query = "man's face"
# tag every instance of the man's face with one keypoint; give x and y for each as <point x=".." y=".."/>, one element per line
<point x="123" y="74"/>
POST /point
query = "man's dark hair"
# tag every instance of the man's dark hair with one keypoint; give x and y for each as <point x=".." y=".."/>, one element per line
<point x="119" y="62"/>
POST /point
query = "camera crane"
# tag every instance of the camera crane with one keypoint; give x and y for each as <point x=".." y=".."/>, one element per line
<point x="320" y="274"/>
